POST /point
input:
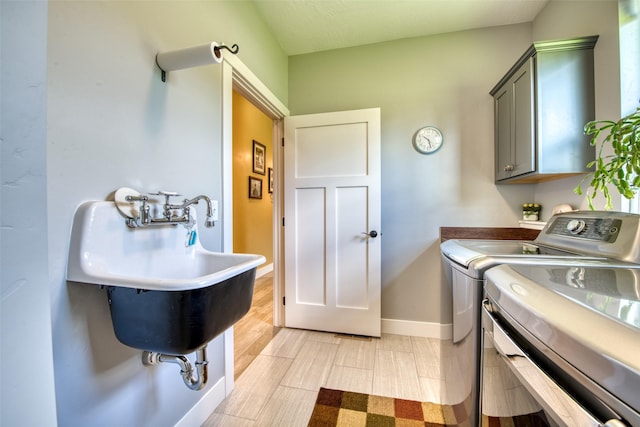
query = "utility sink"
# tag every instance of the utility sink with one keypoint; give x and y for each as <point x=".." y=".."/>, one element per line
<point x="166" y="293"/>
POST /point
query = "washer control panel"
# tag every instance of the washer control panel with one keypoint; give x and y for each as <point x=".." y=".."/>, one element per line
<point x="600" y="229"/>
<point x="594" y="233"/>
<point x="576" y="226"/>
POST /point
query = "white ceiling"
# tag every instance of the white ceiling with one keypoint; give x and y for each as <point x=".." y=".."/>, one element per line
<point x="304" y="26"/>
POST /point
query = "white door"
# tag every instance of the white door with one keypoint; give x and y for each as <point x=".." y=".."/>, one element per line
<point x="332" y="222"/>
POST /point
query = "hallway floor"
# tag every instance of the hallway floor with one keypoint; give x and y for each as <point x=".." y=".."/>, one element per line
<point x="255" y="330"/>
<point x="280" y="386"/>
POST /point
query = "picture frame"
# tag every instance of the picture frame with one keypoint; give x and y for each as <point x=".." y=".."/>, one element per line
<point x="255" y="188"/>
<point x="259" y="157"/>
<point x="270" y="180"/>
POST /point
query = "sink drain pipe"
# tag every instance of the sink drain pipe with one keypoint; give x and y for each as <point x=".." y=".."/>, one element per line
<point x="195" y="379"/>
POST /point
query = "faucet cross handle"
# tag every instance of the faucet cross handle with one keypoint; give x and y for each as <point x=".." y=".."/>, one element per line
<point x="167" y="195"/>
<point x="167" y="206"/>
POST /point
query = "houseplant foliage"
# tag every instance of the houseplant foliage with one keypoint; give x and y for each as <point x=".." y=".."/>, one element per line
<point x="620" y="169"/>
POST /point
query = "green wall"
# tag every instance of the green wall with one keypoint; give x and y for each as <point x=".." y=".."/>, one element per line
<point x="441" y="80"/>
<point x="444" y="80"/>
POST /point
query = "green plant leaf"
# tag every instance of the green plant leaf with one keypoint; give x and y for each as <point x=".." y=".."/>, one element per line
<point x="620" y="169"/>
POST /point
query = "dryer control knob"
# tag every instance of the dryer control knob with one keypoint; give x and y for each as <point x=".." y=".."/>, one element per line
<point x="575" y="226"/>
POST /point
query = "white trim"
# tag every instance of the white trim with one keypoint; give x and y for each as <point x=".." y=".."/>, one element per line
<point x="264" y="270"/>
<point x="247" y="83"/>
<point x="227" y="157"/>
<point x="630" y="205"/>
<point x="236" y="75"/>
<point x="229" y="361"/>
<point x="199" y="413"/>
<point x="417" y="329"/>
<point x="278" y="229"/>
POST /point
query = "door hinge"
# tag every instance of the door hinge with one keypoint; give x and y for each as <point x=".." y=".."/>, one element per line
<point x="283" y="142"/>
<point x="283" y="221"/>
<point x="284" y="300"/>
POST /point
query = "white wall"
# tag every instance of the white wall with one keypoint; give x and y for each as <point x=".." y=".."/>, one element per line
<point x="110" y="122"/>
<point x="441" y="80"/>
<point x="27" y="395"/>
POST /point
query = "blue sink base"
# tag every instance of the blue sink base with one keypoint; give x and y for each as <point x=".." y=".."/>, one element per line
<point x="179" y="322"/>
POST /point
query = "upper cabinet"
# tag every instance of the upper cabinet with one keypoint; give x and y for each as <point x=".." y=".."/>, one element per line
<point x="541" y="107"/>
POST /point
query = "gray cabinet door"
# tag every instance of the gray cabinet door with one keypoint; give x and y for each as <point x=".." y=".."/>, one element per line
<point x="515" y="130"/>
<point x="502" y="105"/>
<point x="523" y="120"/>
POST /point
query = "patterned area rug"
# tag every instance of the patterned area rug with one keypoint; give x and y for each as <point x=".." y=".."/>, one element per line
<point x="344" y="408"/>
<point x="347" y="409"/>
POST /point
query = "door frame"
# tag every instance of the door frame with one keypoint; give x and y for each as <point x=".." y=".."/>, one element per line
<point x="236" y="75"/>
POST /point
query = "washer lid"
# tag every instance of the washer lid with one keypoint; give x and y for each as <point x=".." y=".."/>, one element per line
<point x="588" y="316"/>
<point x="464" y="252"/>
<point x="612" y="292"/>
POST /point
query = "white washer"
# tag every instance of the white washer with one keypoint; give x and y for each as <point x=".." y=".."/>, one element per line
<point x="603" y="239"/>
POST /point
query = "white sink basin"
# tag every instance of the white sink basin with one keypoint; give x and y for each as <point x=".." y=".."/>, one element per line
<point x="164" y="296"/>
<point x="104" y="251"/>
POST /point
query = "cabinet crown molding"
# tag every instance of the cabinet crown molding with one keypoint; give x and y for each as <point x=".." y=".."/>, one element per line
<point x="577" y="43"/>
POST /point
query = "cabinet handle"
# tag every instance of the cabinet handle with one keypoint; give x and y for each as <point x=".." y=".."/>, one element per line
<point x="508" y="168"/>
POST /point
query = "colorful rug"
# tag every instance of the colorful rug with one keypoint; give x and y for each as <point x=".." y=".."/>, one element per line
<point x="344" y="408"/>
<point x="348" y="409"/>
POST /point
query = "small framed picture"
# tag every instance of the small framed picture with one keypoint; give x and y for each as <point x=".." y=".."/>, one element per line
<point x="259" y="158"/>
<point x="270" y="180"/>
<point x="255" y="188"/>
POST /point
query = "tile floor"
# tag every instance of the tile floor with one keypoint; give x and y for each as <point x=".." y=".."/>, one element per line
<point x="280" y="386"/>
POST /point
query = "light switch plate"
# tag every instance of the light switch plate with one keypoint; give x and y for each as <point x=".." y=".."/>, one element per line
<point x="214" y="208"/>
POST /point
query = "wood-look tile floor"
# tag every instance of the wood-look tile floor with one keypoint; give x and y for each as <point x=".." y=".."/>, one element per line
<point x="280" y="386"/>
<point x="255" y="330"/>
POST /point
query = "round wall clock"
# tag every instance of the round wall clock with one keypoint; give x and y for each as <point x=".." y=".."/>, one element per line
<point x="427" y="140"/>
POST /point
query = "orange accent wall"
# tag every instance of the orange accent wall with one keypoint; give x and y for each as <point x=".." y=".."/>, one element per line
<point x="252" y="218"/>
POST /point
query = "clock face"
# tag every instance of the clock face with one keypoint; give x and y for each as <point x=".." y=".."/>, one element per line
<point x="427" y="140"/>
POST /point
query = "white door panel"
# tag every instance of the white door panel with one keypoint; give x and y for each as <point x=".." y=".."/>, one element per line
<point x="309" y="239"/>
<point x="351" y="253"/>
<point x="318" y="148"/>
<point x="332" y="202"/>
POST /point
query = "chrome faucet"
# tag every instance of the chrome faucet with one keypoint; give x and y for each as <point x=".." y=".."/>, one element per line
<point x="185" y="208"/>
<point x="168" y="216"/>
<point x="143" y="217"/>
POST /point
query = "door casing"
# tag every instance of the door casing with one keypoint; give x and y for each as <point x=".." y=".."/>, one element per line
<point x="237" y="76"/>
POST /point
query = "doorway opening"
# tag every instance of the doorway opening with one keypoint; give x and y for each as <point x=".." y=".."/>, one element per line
<point x="252" y="223"/>
<point x="237" y="77"/>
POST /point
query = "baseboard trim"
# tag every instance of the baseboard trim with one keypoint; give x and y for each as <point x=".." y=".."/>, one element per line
<point x="199" y="413"/>
<point x="417" y="329"/>
<point x="264" y="270"/>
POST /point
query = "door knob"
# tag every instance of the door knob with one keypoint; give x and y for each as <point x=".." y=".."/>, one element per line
<point x="372" y="234"/>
